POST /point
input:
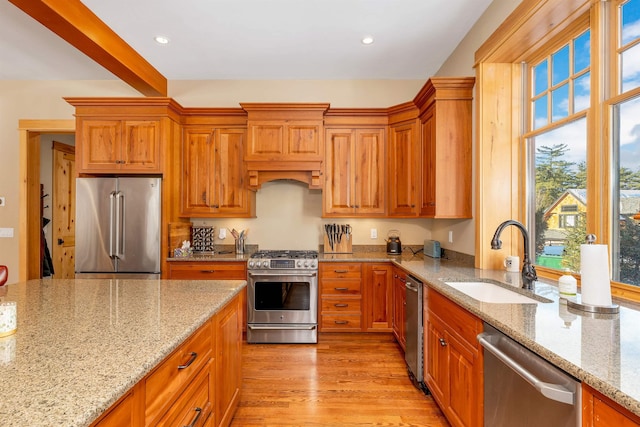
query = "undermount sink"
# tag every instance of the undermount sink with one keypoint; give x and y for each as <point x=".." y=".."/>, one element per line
<point x="490" y="292"/>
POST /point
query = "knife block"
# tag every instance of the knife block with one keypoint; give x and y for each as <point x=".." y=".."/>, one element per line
<point x="344" y="246"/>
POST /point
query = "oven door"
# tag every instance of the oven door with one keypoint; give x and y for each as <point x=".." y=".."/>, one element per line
<point x="282" y="297"/>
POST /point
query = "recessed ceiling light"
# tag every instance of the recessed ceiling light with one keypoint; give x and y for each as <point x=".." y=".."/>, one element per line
<point x="367" y="40"/>
<point x="161" y="39"/>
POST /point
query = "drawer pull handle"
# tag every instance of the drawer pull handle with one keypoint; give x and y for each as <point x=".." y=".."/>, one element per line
<point x="341" y="305"/>
<point x="207" y="271"/>
<point x="195" y="419"/>
<point x="443" y="343"/>
<point x="341" y="289"/>
<point x="340" y="271"/>
<point x="341" y="322"/>
<point x="192" y="359"/>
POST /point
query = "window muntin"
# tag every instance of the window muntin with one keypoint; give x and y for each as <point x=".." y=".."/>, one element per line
<point x="561" y="82"/>
<point x="629" y="45"/>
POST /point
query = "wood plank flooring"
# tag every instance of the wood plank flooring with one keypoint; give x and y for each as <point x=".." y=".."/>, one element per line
<point x="344" y="380"/>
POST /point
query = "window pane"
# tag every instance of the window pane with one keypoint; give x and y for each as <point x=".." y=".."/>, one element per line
<point x="631" y="68"/>
<point x="540" y="77"/>
<point x="540" y="113"/>
<point x="560" y="103"/>
<point x="560" y="65"/>
<point x="626" y="245"/>
<point x="581" y="52"/>
<point x="560" y="180"/>
<point x="581" y="92"/>
<point x="630" y="21"/>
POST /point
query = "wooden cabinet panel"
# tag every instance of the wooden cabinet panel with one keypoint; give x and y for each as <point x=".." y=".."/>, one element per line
<point x="195" y="405"/>
<point x="121" y="415"/>
<point x="166" y="381"/>
<point x="119" y="146"/>
<point x="445" y="114"/>
<point x="212" y="270"/>
<point x="354" y="172"/>
<point x="399" y="306"/>
<point x="378" y="285"/>
<point x="454" y="360"/>
<point x="403" y="168"/>
<point x="600" y="411"/>
<point x="305" y="140"/>
<point x="214" y="175"/>
<point x="340" y="303"/>
<point x="228" y="361"/>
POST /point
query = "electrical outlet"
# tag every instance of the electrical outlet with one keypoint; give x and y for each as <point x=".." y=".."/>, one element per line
<point x="450" y="236"/>
<point x="374" y="233"/>
<point x="2" y="202"/>
<point x="6" y="232"/>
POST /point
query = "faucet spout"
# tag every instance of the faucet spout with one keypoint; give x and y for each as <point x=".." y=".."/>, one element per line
<point x="529" y="274"/>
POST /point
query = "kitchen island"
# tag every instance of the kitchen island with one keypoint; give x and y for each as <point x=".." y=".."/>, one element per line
<point x="83" y="344"/>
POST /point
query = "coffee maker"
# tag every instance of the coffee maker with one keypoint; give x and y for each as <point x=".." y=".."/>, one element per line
<point x="394" y="246"/>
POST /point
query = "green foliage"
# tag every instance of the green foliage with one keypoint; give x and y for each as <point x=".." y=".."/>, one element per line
<point x="575" y="237"/>
<point x="630" y="251"/>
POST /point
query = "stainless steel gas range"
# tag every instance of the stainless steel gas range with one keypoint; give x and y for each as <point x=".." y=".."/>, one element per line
<point x="282" y="297"/>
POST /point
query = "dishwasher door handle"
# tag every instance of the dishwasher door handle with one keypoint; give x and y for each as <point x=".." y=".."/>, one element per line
<point x="555" y="392"/>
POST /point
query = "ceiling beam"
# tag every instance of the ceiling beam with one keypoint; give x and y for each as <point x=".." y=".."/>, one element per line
<point x="80" y="27"/>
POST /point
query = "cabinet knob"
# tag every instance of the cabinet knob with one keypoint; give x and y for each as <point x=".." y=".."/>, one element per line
<point x="443" y="343"/>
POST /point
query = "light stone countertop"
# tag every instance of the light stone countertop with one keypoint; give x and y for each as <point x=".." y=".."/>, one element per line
<point x="600" y="350"/>
<point x="82" y="344"/>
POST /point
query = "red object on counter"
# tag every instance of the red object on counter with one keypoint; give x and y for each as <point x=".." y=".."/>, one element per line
<point x="4" y="274"/>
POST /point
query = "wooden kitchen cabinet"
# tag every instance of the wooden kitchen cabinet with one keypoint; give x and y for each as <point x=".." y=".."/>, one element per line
<point x="403" y="161"/>
<point x="454" y="363"/>
<point x="118" y="146"/>
<point x="120" y="415"/>
<point x="214" y="174"/>
<point x="228" y="361"/>
<point x="399" y="306"/>
<point x="600" y="411"/>
<point x="445" y="116"/>
<point x="378" y="289"/>
<point x="340" y="297"/>
<point x="354" y="172"/>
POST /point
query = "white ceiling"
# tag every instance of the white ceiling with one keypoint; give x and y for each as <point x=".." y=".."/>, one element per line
<point x="252" y="39"/>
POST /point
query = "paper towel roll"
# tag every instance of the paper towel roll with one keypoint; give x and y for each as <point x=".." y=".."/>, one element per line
<point x="594" y="271"/>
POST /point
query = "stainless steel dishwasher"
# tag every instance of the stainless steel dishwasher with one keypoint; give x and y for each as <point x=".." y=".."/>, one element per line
<point x="522" y="389"/>
<point x="413" y="328"/>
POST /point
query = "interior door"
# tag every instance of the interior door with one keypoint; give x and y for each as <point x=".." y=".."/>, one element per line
<point x="64" y="211"/>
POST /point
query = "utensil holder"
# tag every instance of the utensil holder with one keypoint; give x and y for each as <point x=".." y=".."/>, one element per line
<point x="240" y="246"/>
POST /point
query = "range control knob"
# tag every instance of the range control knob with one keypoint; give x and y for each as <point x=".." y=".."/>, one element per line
<point x="265" y="264"/>
<point x="299" y="263"/>
<point x="250" y="264"/>
<point x="306" y="264"/>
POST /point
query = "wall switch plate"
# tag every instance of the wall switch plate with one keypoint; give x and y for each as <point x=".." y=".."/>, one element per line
<point x="2" y="202"/>
<point x="6" y="232"/>
<point x="374" y="233"/>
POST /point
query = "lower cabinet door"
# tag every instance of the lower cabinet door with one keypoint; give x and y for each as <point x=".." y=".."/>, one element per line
<point x="462" y="385"/>
<point x="437" y="367"/>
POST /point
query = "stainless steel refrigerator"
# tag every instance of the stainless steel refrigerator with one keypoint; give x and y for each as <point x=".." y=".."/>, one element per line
<point x="118" y="225"/>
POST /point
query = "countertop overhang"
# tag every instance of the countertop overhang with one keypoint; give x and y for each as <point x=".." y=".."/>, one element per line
<point x="82" y="344"/>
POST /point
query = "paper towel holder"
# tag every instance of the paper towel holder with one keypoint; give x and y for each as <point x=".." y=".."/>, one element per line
<point x="602" y="309"/>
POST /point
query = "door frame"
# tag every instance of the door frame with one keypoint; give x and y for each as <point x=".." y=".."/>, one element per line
<point x="30" y="227"/>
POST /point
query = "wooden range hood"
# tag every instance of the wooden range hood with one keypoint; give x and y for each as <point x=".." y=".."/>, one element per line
<point x="284" y="141"/>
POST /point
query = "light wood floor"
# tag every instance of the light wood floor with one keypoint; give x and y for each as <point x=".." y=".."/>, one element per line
<point x="344" y="380"/>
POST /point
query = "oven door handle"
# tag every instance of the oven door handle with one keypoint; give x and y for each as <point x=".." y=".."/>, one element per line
<point x="281" y="274"/>
<point x="277" y="327"/>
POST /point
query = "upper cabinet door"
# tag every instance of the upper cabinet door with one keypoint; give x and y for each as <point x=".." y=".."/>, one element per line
<point x="368" y="178"/>
<point x="354" y="172"/>
<point x="141" y="145"/>
<point x="428" y="199"/>
<point x="230" y="188"/>
<point x="100" y="145"/>
<point x="197" y="169"/>
<point x="403" y="169"/>
<point x="119" y="146"/>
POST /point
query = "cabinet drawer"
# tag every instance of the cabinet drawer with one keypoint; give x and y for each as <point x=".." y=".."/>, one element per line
<point x="341" y="321"/>
<point x="175" y="371"/>
<point x="187" y="270"/>
<point x="195" y="405"/>
<point x="336" y="270"/>
<point x="460" y="321"/>
<point x="340" y="287"/>
<point x="352" y="305"/>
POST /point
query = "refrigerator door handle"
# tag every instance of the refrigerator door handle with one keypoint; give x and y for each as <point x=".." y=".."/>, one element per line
<point x="112" y="199"/>
<point x="119" y="225"/>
